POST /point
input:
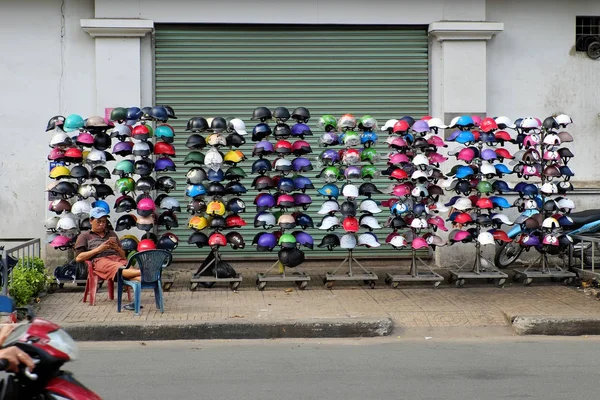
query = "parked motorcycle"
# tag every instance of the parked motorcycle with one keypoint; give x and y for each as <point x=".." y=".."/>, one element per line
<point x="50" y="347"/>
<point x="583" y="222"/>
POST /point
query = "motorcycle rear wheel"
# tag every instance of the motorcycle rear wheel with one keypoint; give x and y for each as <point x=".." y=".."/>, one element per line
<point x="506" y="254"/>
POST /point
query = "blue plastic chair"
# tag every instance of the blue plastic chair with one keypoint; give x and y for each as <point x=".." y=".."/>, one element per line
<point x="150" y="263"/>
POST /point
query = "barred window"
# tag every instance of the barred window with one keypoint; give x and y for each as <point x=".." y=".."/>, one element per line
<point x="587" y="30"/>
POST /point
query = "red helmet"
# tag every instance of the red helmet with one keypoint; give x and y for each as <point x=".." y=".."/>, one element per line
<point x="501" y="236"/>
<point x="475" y="135"/>
<point x="301" y="146"/>
<point x="488" y="124"/>
<point x="400" y="126"/>
<point x="164" y="148"/>
<point x="463" y="218"/>
<point x="73" y="152"/>
<point x="146" y="244"/>
<point x="350" y="224"/>
<point x="503" y="153"/>
<point x="502" y="136"/>
<point x="217" y="239"/>
<point x="283" y="147"/>
<point x="484" y="203"/>
<point x="140" y="130"/>
<point x="235" y="221"/>
<point x="399" y="174"/>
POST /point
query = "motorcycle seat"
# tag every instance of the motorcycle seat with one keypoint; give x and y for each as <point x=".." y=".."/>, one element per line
<point x="585" y="217"/>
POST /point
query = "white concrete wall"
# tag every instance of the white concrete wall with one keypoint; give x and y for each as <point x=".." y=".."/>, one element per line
<point x="40" y="76"/>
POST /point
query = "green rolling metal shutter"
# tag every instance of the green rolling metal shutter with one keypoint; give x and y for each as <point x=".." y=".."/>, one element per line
<point x="227" y="70"/>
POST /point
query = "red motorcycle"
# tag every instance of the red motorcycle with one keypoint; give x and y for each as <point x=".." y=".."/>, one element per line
<point x="50" y="347"/>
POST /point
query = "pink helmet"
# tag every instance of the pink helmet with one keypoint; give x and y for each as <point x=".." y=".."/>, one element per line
<point x="61" y="242"/>
<point x="462" y="236"/>
<point x="398" y="158"/>
<point x="402" y="189"/>
<point x="551" y="155"/>
<point x="466" y="154"/>
<point x="85" y="138"/>
<point x="438" y="222"/>
<point x="436" y="141"/>
<point x="56" y="154"/>
<point x="419" y="243"/>
<point x="145" y="207"/>
<point x="551" y="239"/>
<point x="476" y="120"/>
<point x="398" y="142"/>
<point x="436" y="158"/>
<point x="531" y="140"/>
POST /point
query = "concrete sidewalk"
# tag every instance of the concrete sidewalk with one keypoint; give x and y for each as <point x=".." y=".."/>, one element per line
<point x="417" y="308"/>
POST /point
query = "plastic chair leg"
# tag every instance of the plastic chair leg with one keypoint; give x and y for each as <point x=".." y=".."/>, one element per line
<point x="158" y="297"/>
<point x="137" y="296"/>
<point x="111" y="289"/>
<point x="91" y="287"/>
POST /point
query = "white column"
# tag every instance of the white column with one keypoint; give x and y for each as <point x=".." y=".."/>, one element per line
<point x="118" y="60"/>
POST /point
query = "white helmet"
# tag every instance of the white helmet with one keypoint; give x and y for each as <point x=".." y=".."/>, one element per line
<point x="448" y="182"/>
<point x="439" y="207"/>
<point x="60" y="139"/>
<point x="398" y="241"/>
<point x="418" y="174"/>
<point x="86" y="191"/>
<point x="66" y="223"/>
<point x="369" y="240"/>
<point x="141" y="149"/>
<point x="238" y="126"/>
<point x="330" y="206"/>
<point x="435" y="240"/>
<point x="51" y="223"/>
<point x="267" y="217"/>
<point x="530" y="204"/>
<point x="170" y="203"/>
<point x="368" y="221"/>
<point x="563" y="119"/>
<point x="213" y="159"/>
<point x="420" y="159"/>
<point x="485" y="238"/>
<point x="503" y="218"/>
<point x="549" y="188"/>
<point x="552" y="139"/>
<point x="566" y="204"/>
<point x="453" y="122"/>
<point x="216" y="139"/>
<point x="436" y="123"/>
<point x="389" y="124"/>
<point x="505" y="121"/>
<point x="487" y="169"/>
<point x="550" y="223"/>
<point x="348" y="241"/>
<point x="329" y="222"/>
<point x="370" y="206"/>
<point x="418" y="223"/>
<point x="420" y="191"/>
<point x="530" y="122"/>
<point x="283" y="164"/>
<point x="350" y="191"/>
<point x="121" y="130"/>
<point x="96" y="156"/>
<point x="464" y="203"/>
<point x="81" y="208"/>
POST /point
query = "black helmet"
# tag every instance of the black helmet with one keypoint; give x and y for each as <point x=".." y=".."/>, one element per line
<point x="234" y="187"/>
<point x="129" y="244"/>
<point x="303" y="220"/>
<point x="170" y="112"/>
<point x="159" y="199"/>
<point x="261" y="113"/>
<point x="282" y="131"/>
<point x="64" y="189"/>
<point x="301" y="114"/>
<point x="409" y="120"/>
<point x="145" y="111"/>
<point x="281" y="114"/>
<point x="144" y="167"/>
<point x="99" y="172"/>
<point x="261" y="166"/>
<point x="218" y="222"/>
<point x="125" y="222"/>
<point x="103" y="191"/>
<point x="81" y="173"/>
<point x="291" y="258"/>
<point x="199" y="239"/>
<point x="125" y="204"/>
<point x="85" y="225"/>
<point x="396" y="222"/>
<point x="367" y="189"/>
<point x="235" y="205"/>
<point x="166" y="184"/>
<point x="215" y="189"/>
<point x="157" y="113"/>
<point x="550" y="123"/>
<point x="151" y="236"/>
<point x="56" y="121"/>
<point x="235" y="140"/>
<point x="197" y="124"/>
<point x="196" y="206"/>
<point x="463" y="187"/>
<point x="260" y="131"/>
<point x="195" y="142"/>
<point x="330" y="241"/>
<point x="145" y="184"/>
<point x="236" y="240"/>
<point x="263" y="182"/>
<point x="348" y="208"/>
<point x="167" y="241"/>
<point x="102" y="141"/>
<point x="218" y="124"/>
<point x="168" y="220"/>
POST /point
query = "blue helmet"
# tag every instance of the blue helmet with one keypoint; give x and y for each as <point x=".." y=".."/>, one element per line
<point x="503" y="169"/>
<point x="329" y="190"/>
<point x="465" y="137"/>
<point x="195" y="190"/>
<point x="102" y="204"/>
<point x="215" y="176"/>
<point x="464" y="171"/>
<point x="500" y="202"/>
<point x="302" y="182"/>
<point x="368" y="137"/>
<point x="465" y="121"/>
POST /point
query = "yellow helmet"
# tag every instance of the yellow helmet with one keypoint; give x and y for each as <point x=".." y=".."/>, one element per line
<point x="59" y="172"/>
<point x="234" y="156"/>
<point x="130" y="237"/>
<point x="215" y="207"/>
<point x="197" y="223"/>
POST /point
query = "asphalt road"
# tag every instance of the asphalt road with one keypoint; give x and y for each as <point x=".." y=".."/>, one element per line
<point x="365" y="369"/>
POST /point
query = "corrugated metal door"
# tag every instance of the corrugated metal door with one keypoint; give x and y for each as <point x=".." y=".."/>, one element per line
<point x="226" y="70"/>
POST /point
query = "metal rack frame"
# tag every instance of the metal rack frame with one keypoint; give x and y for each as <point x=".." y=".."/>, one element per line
<point x="366" y="276"/>
<point x="414" y="274"/>
<point x="209" y="281"/>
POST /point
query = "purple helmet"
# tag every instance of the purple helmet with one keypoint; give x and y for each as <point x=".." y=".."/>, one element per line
<point x="123" y="148"/>
<point x="303" y="183"/>
<point x="531" y="240"/>
<point x="329" y="157"/>
<point x="304" y="239"/>
<point x="420" y="126"/>
<point x="301" y="130"/>
<point x="264" y="201"/>
<point x="488" y="154"/>
<point x="164" y="164"/>
<point x="266" y="241"/>
<point x="302" y="200"/>
<point x="264" y="147"/>
<point x="302" y="164"/>
<point x="352" y="172"/>
<point x="453" y="135"/>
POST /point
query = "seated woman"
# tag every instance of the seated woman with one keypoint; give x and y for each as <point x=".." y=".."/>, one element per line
<point x="102" y="247"/>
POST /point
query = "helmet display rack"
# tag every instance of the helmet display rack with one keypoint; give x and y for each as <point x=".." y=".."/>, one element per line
<point x="350" y="157"/>
<point x="482" y="268"/>
<point x="207" y="274"/>
<point x="418" y="205"/>
<point x="286" y="221"/>
<point x="547" y="168"/>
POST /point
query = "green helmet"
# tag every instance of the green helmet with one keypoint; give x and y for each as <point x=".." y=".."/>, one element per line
<point x="367" y="123"/>
<point x="235" y="173"/>
<point x="118" y="114"/>
<point x="125" y="185"/>
<point x="484" y="187"/>
<point x="164" y="131"/>
<point x="328" y="123"/>
<point x="368" y="171"/>
<point x="330" y="174"/>
<point x="351" y="138"/>
<point x="194" y="157"/>
<point x="150" y="130"/>
<point x="123" y="167"/>
<point x="287" y="240"/>
<point x="369" y="154"/>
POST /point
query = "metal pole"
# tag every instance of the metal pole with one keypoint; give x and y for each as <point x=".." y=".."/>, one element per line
<point x="4" y="272"/>
<point x="413" y="267"/>
<point x="350" y="257"/>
